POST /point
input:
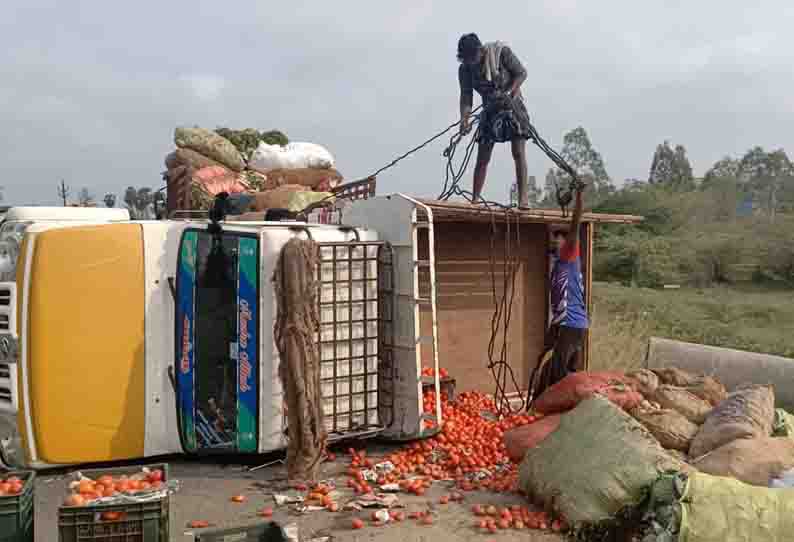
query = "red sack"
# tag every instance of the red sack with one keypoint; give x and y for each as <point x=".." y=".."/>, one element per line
<point x="521" y="439"/>
<point x="576" y="387"/>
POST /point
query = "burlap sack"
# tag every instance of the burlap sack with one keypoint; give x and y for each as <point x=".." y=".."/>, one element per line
<point x="692" y="408"/>
<point x="706" y="387"/>
<point x="278" y="198"/>
<point x="644" y="381"/>
<point x="596" y="465"/>
<point x="178" y="195"/>
<point x="210" y="145"/>
<point x="746" y="413"/>
<point x="171" y="161"/>
<point x="321" y="180"/>
<point x="520" y="439"/>
<point x="190" y="158"/>
<point x="705" y="508"/>
<point x="673" y="376"/>
<point x="671" y="428"/>
<point x="297" y="323"/>
<point x="709" y="389"/>
<point x="754" y="461"/>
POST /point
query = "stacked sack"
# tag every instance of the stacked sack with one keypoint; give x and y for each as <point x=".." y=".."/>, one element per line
<point x="737" y="435"/>
<point x="693" y="417"/>
<point x="277" y="173"/>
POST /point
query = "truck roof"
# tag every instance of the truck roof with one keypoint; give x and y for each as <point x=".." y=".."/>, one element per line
<point x="66" y="214"/>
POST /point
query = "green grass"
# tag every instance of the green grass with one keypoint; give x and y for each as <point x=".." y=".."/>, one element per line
<point x="745" y="318"/>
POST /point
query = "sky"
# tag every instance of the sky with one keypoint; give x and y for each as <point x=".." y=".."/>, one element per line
<point x="91" y="91"/>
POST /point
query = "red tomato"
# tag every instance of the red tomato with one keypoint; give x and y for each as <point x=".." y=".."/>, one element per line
<point x="74" y="500"/>
<point x="198" y="524"/>
<point x="357" y="523"/>
<point x="266" y="512"/>
<point x="85" y="486"/>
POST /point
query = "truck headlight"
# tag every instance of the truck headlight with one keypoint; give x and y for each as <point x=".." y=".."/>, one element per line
<point x="10" y="240"/>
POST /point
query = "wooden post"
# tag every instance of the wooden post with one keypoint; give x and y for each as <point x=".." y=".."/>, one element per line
<point x="588" y="292"/>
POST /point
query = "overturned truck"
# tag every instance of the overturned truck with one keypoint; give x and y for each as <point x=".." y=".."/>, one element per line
<point x="136" y="339"/>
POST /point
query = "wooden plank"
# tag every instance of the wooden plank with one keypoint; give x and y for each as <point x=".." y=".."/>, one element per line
<point x="453" y="210"/>
<point x="466" y="305"/>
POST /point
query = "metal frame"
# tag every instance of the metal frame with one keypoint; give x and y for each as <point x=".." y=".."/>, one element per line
<point x="347" y="266"/>
<point x="419" y="223"/>
<point x="9" y="348"/>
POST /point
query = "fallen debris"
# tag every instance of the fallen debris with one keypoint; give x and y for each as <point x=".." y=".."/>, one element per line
<point x="283" y="500"/>
<point x="374" y="501"/>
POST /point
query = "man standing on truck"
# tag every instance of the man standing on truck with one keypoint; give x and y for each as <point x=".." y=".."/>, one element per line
<point x="569" y="322"/>
<point x="496" y="74"/>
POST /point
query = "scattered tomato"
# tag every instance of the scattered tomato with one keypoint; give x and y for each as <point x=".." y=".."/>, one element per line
<point x="238" y="499"/>
<point x="198" y="524"/>
<point x="266" y="512"/>
<point x="357" y="523"/>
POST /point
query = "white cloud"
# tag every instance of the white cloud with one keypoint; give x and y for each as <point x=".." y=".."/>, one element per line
<point x="371" y="80"/>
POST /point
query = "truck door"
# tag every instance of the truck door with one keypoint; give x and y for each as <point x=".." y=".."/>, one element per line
<point x="217" y="346"/>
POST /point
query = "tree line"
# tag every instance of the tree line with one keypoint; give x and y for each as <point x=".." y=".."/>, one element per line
<point x="142" y="203"/>
<point x="764" y="180"/>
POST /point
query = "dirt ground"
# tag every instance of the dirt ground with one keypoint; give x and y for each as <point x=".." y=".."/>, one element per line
<point x="207" y="487"/>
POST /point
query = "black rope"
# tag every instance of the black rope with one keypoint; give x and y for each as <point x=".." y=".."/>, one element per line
<point x="421" y="146"/>
<point x="500" y="368"/>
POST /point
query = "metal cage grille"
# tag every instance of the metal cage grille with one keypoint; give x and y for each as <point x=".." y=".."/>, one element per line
<point x="355" y="284"/>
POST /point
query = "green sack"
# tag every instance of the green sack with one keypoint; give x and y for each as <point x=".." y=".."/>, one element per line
<point x="301" y="200"/>
<point x="703" y="508"/>
<point x="599" y="464"/>
<point x="783" y="425"/>
<point x="210" y="145"/>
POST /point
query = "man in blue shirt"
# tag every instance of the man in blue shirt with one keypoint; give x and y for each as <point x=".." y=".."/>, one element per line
<point x="569" y="321"/>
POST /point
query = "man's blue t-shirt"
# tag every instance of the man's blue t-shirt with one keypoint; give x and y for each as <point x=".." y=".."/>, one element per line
<point x="567" y="290"/>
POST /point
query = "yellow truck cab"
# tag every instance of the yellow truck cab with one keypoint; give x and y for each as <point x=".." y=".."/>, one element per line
<point x="13" y="226"/>
<point x="135" y="339"/>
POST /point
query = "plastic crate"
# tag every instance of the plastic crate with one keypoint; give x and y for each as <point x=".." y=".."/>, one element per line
<point x="271" y="532"/>
<point x="16" y="512"/>
<point x="138" y="522"/>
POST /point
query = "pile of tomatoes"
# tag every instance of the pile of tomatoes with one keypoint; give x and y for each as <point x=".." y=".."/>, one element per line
<point x="430" y="371"/>
<point x="11" y="486"/>
<point x="469" y="449"/>
<point x="516" y="517"/>
<point x="86" y="490"/>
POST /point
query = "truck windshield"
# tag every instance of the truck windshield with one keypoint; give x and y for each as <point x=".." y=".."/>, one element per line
<point x="217" y="348"/>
